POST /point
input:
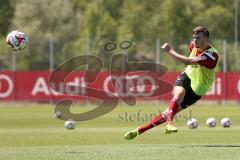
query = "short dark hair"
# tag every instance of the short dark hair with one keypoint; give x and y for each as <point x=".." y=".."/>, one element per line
<point x="201" y="29"/>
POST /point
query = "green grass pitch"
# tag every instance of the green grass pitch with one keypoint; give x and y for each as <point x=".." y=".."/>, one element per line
<point x="30" y="132"/>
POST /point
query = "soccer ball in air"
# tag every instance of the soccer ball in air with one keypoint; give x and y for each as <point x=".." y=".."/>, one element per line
<point x="226" y="122"/>
<point x="16" y="40"/>
<point x="192" y="123"/>
<point x="211" y="122"/>
<point x="69" y="124"/>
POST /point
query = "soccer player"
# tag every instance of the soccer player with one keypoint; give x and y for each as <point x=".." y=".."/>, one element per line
<point x="191" y="84"/>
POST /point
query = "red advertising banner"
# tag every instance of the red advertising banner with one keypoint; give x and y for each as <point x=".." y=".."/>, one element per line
<point x="33" y="86"/>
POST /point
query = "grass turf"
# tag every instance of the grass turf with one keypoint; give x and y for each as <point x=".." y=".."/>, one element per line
<point x="29" y="132"/>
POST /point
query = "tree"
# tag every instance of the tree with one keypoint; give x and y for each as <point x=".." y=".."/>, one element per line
<point x="99" y="25"/>
<point x="48" y="20"/>
<point x="71" y="23"/>
<point x="213" y="18"/>
<point x="6" y="14"/>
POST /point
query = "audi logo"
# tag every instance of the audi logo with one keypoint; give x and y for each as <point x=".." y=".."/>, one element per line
<point x="129" y="86"/>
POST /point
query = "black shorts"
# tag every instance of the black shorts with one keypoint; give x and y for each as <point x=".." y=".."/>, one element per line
<point x="190" y="96"/>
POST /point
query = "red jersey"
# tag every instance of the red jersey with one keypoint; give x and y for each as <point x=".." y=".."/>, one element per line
<point x="205" y="58"/>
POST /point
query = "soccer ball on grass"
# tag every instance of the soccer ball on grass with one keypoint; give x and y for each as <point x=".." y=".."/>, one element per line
<point x="192" y="123"/>
<point x="226" y="122"/>
<point x="69" y="124"/>
<point x="211" y="122"/>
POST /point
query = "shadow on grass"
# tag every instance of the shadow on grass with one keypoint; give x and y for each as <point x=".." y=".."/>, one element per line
<point x="211" y="146"/>
<point x="75" y="152"/>
<point x="196" y="146"/>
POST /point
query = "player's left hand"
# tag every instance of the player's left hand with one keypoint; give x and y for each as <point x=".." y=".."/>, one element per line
<point x="166" y="47"/>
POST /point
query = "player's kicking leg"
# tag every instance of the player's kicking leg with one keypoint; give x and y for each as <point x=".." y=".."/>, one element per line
<point x="166" y="116"/>
<point x="174" y="107"/>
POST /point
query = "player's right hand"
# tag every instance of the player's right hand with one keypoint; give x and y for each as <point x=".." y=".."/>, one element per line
<point x="166" y="47"/>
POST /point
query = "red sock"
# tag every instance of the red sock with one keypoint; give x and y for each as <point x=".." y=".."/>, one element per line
<point x="172" y="110"/>
<point x="161" y="118"/>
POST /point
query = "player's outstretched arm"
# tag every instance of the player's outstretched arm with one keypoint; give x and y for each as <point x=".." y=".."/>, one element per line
<point x="186" y="60"/>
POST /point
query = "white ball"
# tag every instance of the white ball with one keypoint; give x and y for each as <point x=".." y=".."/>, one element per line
<point x="192" y="123"/>
<point x="16" y="40"/>
<point x="211" y="122"/>
<point x="57" y="114"/>
<point x="226" y="122"/>
<point x="69" y="124"/>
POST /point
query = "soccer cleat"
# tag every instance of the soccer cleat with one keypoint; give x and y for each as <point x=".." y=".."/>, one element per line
<point x="131" y="134"/>
<point x="170" y="128"/>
